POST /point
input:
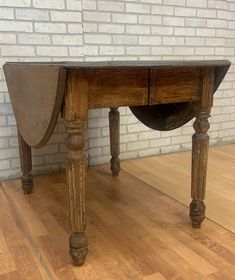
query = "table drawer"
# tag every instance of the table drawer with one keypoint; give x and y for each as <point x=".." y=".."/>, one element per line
<point x="117" y="87"/>
<point x="170" y="85"/>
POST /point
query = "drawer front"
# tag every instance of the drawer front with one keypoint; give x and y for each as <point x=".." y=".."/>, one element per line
<point x="117" y="87"/>
<point x="169" y="85"/>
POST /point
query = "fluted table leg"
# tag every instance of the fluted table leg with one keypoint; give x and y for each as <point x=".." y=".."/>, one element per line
<point x="75" y="124"/>
<point x="200" y="148"/>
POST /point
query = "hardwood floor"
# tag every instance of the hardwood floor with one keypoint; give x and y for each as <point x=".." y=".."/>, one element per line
<point x="171" y="174"/>
<point x="135" y="231"/>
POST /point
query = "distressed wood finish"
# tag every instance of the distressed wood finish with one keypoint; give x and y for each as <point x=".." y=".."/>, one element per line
<point x="171" y="85"/>
<point x="26" y="165"/>
<point x="114" y="131"/>
<point x="36" y="93"/>
<point x="117" y="87"/>
<point x="200" y="147"/>
<point x="75" y="115"/>
<point x="162" y="94"/>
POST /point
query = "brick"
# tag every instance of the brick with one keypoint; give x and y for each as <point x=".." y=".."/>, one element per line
<point x="33" y="39"/>
<point x="195" y="22"/>
<point x="74" y="28"/>
<point x="125" y="39"/>
<point x="183" y="50"/>
<point x="89" y="5"/>
<point x="174" y="41"/>
<point x="96" y="16"/>
<point x="111" y="6"/>
<point x="124" y="18"/>
<point x="99" y="142"/>
<point x="44" y="27"/>
<point x="67" y="39"/>
<point x="170" y="149"/>
<point x="2" y="121"/>
<point x="151" y="134"/>
<point x="137" y="50"/>
<point x="160" y="142"/>
<point x="15" y="26"/>
<point x="52" y="4"/>
<point x="193" y="41"/>
<point x="162" y="30"/>
<point x="66" y="16"/>
<point x="32" y="14"/>
<point x="96" y="152"/>
<point x="173" y="21"/>
<point x="188" y="12"/>
<point x="3" y="143"/>
<point x="198" y="3"/>
<point x="6" y="13"/>
<point x="163" y="10"/>
<point x="149" y="40"/>
<point x="6" y="38"/>
<point x="184" y="31"/>
<point x="138" y="29"/>
<point x="4" y="164"/>
<point x="162" y="50"/>
<point x="137" y="145"/>
<point x="90" y="50"/>
<point x="97" y="39"/>
<point x="216" y="23"/>
<point x="74" y="5"/>
<point x="112" y="50"/>
<point x="90" y="27"/>
<point x="52" y="51"/>
<point x="111" y="28"/>
<point x="11" y="50"/>
<point x="206" y="13"/>
<point x="205" y="32"/>
<point x="150" y="19"/>
<point x="137" y="8"/>
<point x="15" y="3"/>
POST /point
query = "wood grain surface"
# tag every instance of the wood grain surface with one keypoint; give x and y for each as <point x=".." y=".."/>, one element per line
<point x="135" y="231"/>
<point x="171" y="85"/>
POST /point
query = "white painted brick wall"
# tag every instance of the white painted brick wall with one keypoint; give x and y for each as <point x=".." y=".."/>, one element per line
<point x="88" y="30"/>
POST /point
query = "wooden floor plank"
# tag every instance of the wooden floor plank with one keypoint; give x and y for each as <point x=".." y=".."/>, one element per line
<point x="171" y="175"/>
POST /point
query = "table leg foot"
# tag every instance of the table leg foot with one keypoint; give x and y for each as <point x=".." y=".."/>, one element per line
<point x="27" y="183"/>
<point x="78" y="248"/>
<point x="197" y="212"/>
<point x="115" y="166"/>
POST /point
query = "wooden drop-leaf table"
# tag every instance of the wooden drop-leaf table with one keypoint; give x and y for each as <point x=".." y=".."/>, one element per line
<point x="163" y="95"/>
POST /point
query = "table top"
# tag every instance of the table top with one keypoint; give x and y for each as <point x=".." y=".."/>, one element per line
<point x="130" y="64"/>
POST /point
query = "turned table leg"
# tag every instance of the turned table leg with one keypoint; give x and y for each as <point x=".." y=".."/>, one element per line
<point x="76" y="180"/>
<point x="114" y="131"/>
<point x="199" y="168"/>
<point x="200" y="146"/>
<point x="75" y="119"/>
<point x="26" y="165"/>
